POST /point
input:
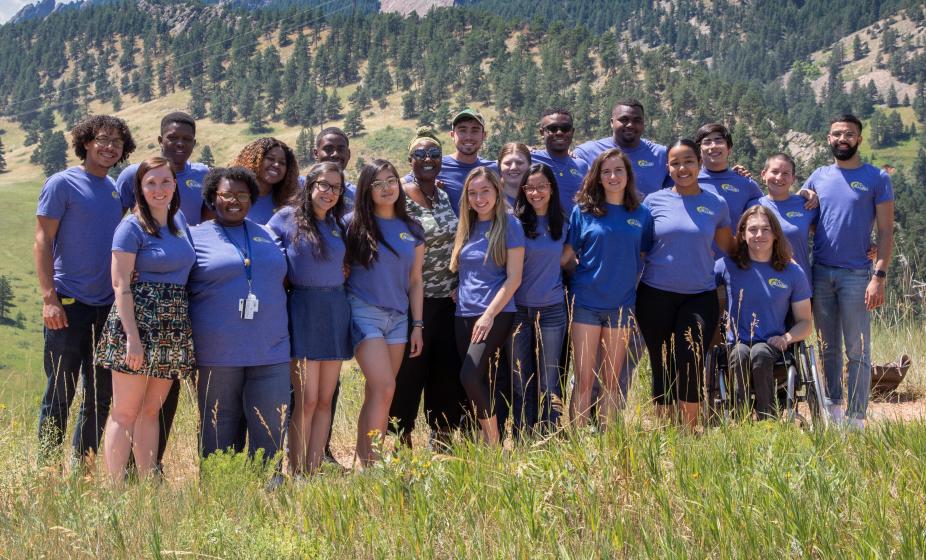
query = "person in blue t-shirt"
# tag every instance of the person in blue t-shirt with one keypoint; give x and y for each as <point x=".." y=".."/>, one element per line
<point x="556" y="129"/>
<point x="78" y="212"/>
<point x="797" y="222"/>
<point x="540" y="319"/>
<point x="238" y="311"/>
<point x="177" y="140"/>
<point x="647" y="158"/>
<point x="312" y="232"/>
<point x="763" y="286"/>
<point x="148" y="339"/>
<point x="854" y="196"/>
<point x="608" y="231"/>
<point x="514" y="159"/>
<point x="488" y="255"/>
<point x="385" y="251"/>
<point x="677" y="307"/>
<point x="274" y="165"/>
<point x="468" y="133"/>
<point x="332" y="145"/>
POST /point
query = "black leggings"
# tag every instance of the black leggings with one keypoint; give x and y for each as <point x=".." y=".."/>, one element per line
<point x="476" y="372"/>
<point x="675" y="328"/>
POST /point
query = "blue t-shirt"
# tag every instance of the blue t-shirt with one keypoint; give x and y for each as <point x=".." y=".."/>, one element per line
<point x="649" y="161"/>
<point x="304" y="267"/>
<point x="569" y="172"/>
<point x="262" y="210"/>
<point x="542" y="278"/>
<point x="385" y="283"/>
<point x="218" y="281"/>
<point x="480" y="276"/>
<point x="759" y="298"/>
<point x="166" y="259"/>
<point x="349" y="194"/>
<point x="608" y="250"/>
<point x="189" y="183"/>
<point x="682" y="260"/>
<point x="848" y="198"/>
<point x="796" y="222"/>
<point x="739" y="192"/>
<point x="453" y="174"/>
<point x="88" y="209"/>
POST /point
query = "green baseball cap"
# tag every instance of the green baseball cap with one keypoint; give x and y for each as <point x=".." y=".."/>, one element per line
<point x="468" y="113"/>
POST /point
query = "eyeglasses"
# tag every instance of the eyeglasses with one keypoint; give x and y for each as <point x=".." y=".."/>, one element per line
<point x="325" y="186"/>
<point x="104" y="142"/>
<point x="554" y="128"/>
<point x="708" y="142"/>
<point x="430" y="153"/>
<point x="391" y="182"/>
<point x="539" y="189"/>
<point x="231" y="197"/>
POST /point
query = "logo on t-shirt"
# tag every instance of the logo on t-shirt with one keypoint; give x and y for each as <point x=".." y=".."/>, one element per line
<point x="777" y="283"/>
<point x="575" y="172"/>
<point x="794" y="214"/>
<point x="705" y="210"/>
<point x="260" y="239"/>
<point x="729" y="187"/>
<point x="114" y="194"/>
<point x="193" y="184"/>
<point x="634" y="222"/>
<point x="859" y="186"/>
<point x="335" y="233"/>
<point x="405" y="236"/>
<point x="645" y="163"/>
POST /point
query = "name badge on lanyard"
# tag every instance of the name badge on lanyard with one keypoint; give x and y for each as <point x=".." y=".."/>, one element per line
<point x="249" y="305"/>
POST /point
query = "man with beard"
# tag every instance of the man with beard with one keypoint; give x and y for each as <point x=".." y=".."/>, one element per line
<point x="468" y="133"/>
<point x="647" y="158"/>
<point x="557" y="131"/>
<point x="853" y="197"/>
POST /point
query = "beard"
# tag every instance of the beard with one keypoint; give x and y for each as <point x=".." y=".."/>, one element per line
<point x="843" y="154"/>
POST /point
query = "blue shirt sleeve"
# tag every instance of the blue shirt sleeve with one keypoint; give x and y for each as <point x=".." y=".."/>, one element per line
<point x="53" y="200"/>
<point x="129" y="236"/>
<point x="125" y="186"/>
<point x="802" y="289"/>
<point x="720" y="269"/>
<point x="515" y="234"/>
<point x="724" y="214"/>
<point x="649" y="231"/>
<point x="575" y="229"/>
<point x="884" y="191"/>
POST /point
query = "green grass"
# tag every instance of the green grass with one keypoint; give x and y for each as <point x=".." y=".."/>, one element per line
<point x="901" y="155"/>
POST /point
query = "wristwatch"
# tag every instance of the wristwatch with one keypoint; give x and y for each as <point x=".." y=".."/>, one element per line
<point x="419" y="324"/>
<point x="880" y="274"/>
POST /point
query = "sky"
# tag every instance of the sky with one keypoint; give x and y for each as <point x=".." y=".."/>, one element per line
<point x="9" y="7"/>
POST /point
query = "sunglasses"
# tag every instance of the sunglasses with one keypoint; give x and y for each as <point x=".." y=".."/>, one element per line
<point x="554" y="128"/>
<point x="429" y="153"/>
<point x="229" y="197"/>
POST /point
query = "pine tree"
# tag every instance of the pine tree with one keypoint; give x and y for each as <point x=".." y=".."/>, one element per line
<point x="304" y="147"/>
<point x="117" y="100"/>
<point x="6" y="298"/>
<point x="206" y="157"/>
<point x="334" y="106"/>
<point x="353" y="123"/>
<point x="51" y="153"/>
<point x="197" y="98"/>
<point x="2" y="159"/>
<point x="892" y="97"/>
<point x="857" y="52"/>
<point x="919" y="167"/>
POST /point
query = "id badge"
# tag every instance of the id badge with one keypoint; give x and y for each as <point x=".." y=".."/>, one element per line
<point x="248" y="306"/>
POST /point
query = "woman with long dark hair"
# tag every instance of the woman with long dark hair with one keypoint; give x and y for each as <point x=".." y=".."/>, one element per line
<point x="312" y="232"/>
<point x="385" y="251"/>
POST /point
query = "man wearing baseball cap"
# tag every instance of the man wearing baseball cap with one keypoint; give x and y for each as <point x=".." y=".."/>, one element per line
<point x="468" y="133"/>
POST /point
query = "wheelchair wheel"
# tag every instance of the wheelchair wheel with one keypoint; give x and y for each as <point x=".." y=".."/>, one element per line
<point x="813" y="386"/>
<point x="791" y="397"/>
<point x="717" y="396"/>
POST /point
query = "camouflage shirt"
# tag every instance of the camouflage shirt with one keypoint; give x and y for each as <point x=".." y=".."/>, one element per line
<point x="440" y="228"/>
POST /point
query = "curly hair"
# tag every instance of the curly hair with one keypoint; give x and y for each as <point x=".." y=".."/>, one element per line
<point x="87" y="129"/>
<point x="214" y="177"/>
<point x="252" y="157"/>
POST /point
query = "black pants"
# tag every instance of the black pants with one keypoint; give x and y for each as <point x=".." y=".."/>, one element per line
<point x="676" y="328"/>
<point x="476" y="373"/>
<point x="166" y="420"/>
<point x="434" y="373"/>
<point x="754" y="367"/>
<point x="68" y="356"/>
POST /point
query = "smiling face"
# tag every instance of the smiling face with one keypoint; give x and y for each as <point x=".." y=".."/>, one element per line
<point x="684" y="166"/>
<point x="158" y="186"/>
<point x="105" y="150"/>
<point x="844" y="139"/>
<point x="758" y="236"/>
<point x="468" y="136"/>
<point x="628" y="125"/>
<point x="272" y="167"/>
<point x="324" y="200"/>
<point x="232" y="202"/>
<point x="557" y="133"/>
<point x="177" y="142"/>
<point x="385" y="189"/>
<point x="481" y="197"/>
<point x="333" y="148"/>
<point x="537" y="190"/>
<point x="778" y="176"/>
<point x="425" y="158"/>
<point x="613" y="177"/>
<point x="715" y="152"/>
<point x="512" y="167"/>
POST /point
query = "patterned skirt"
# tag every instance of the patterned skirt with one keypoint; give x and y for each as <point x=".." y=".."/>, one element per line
<point x="163" y="319"/>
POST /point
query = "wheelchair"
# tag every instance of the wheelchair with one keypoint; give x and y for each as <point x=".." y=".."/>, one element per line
<point x="797" y="380"/>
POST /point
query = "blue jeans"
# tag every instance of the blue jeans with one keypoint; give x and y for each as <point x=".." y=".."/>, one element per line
<point x="840" y="315"/>
<point x="69" y="356"/>
<point x="536" y="343"/>
<point x="239" y="401"/>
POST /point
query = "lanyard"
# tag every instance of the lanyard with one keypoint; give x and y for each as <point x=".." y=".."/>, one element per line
<point x="245" y="258"/>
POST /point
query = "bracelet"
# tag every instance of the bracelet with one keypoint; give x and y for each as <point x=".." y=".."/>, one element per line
<point x="418" y="324"/>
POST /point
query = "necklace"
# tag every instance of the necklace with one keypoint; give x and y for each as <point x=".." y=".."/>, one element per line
<point x="431" y="198"/>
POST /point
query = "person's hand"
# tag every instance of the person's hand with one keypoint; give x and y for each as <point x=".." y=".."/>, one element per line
<point x="741" y="170"/>
<point x="134" y="354"/>
<point x="53" y="314"/>
<point x="453" y="296"/>
<point x="874" y="294"/>
<point x="415" y="343"/>
<point x="778" y="342"/>
<point x="872" y="252"/>
<point x="813" y="201"/>
<point x="481" y="328"/>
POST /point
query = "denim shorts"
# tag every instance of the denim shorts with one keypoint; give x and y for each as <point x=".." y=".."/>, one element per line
<point x="621" y="317"/>
<point x="369" y="321"/>
<point x="319" y="323"/>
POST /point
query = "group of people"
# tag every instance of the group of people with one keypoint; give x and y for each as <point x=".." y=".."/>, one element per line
<point x="467" y="283"/>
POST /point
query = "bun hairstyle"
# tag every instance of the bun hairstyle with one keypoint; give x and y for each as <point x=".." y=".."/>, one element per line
<point x="424" y="133"/>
